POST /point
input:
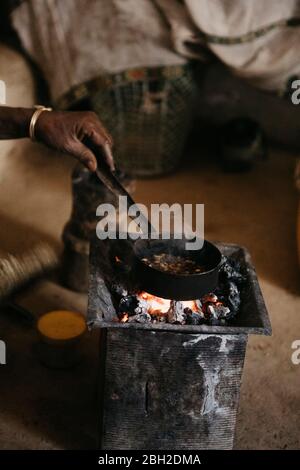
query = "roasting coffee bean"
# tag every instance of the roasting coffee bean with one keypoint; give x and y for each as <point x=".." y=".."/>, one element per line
<point x="173" y="264"/>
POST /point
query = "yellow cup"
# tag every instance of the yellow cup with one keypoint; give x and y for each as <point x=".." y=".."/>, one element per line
<point x="60" y="334"/>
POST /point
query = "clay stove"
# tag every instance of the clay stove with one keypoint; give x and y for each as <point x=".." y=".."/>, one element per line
<point x="168" y="385"/>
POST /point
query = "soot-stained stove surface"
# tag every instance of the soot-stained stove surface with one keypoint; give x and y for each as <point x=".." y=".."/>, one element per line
<point x="111" y="277"/>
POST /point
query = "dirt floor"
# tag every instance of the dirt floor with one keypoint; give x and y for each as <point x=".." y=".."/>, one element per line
<point x="42" y="408"/>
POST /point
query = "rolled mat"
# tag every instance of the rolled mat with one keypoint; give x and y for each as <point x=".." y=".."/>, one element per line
<point x="17" y="269"/>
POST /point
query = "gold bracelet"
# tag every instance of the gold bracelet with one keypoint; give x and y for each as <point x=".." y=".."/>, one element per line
<point x="38" y="111"/>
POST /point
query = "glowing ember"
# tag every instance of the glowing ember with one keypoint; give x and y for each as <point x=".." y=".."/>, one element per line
<point x="155" y="304"/>
<point x="145" y="307"/>
<point x="190" y="304"/>
<point x="158" y="305"/>
<point x="124" y="318"/>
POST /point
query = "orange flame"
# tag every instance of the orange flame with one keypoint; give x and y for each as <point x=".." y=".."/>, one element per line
<point x="124" y="318"/>
<point x="158" y="305"/>
<point x="190" y="304"/>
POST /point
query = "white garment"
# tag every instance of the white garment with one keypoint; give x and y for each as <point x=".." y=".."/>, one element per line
<point x="266" y="61"/>
<point x="73" y="41"/>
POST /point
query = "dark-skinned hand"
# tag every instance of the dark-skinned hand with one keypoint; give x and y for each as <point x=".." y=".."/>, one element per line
<point x="72" y="131"/>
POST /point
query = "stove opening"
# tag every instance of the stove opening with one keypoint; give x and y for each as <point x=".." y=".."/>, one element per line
<point x="213" y="308"/>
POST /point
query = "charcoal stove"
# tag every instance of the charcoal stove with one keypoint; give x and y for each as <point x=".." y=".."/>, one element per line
<point x="167" y="385"/>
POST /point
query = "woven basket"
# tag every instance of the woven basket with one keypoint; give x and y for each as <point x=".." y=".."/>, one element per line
<point x="148" y="112"/>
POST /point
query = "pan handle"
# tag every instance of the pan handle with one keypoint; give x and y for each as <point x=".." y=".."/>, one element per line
<point x="111" y="182"/>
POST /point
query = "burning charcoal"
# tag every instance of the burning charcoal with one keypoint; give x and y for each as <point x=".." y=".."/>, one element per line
<point x="161" y="319"/>
<point x="233" y="297"/>
<point x="206" y="310"/>
<point x="158" y="317"/>
<point x="221" y="311"/>
<point x="211" y="297"/>
<point x="123" y="317"/>
<point x="194" y="318"/>
<point x="140" y="318"/>
<point x="132" y="319"/>
<point x="128" y="304"/>
<point x="143" y="318"/>
<point x="211" y="311"/>
<point x="217" y="311"/>
<point x="228" y="293"/>
<point x="142" y="306"/>
<point x="176" y="312"/>
<point x="119" y="290"/>
<point x="231" y="270"/>
<point x="188" y="311"/>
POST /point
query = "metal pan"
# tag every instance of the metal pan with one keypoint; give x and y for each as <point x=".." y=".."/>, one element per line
<point x="176" y="286"/>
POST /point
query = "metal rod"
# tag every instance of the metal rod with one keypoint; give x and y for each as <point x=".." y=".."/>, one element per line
<point x="114" y="185"/>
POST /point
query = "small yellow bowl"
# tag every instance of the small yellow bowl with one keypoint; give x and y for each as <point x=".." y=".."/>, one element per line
<point x="61" y="326"/>
<point x="60" y="333"/>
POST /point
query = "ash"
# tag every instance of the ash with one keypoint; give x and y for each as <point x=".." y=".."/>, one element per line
<point x="215" y="308"/>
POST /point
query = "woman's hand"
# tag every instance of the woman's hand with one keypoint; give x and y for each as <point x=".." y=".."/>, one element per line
<point x="71" y="132"/>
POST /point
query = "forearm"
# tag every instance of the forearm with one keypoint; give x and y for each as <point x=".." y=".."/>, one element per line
<point x="14" y="122"/>
<point x="79" y="133"/>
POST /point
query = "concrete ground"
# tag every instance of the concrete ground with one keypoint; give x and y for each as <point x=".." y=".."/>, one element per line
<point x="43" y="408"/>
